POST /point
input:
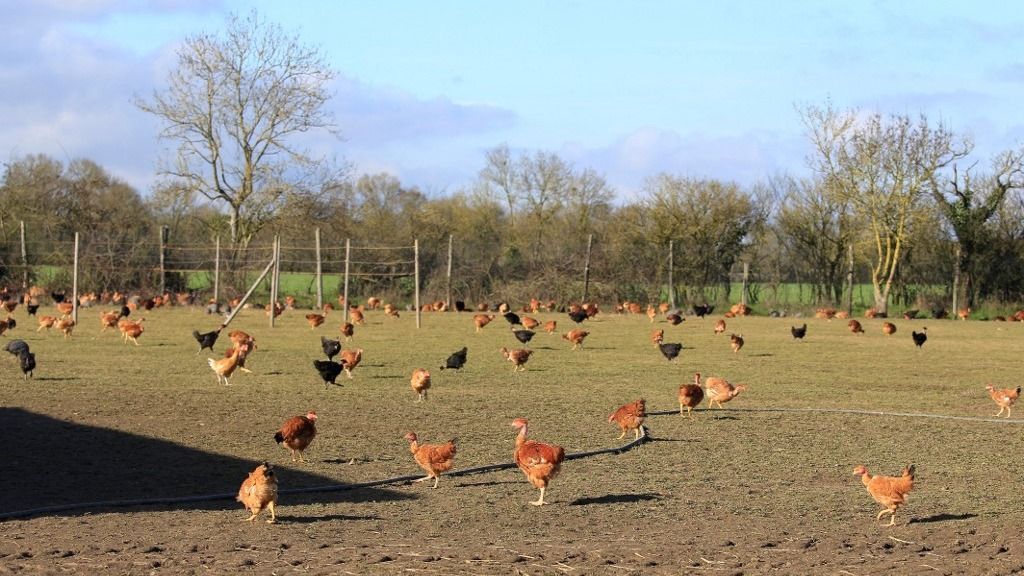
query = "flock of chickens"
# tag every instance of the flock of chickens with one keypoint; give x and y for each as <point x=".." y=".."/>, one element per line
<point x="540" y="462"/>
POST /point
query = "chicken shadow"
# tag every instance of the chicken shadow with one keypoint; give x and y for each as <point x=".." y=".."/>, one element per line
<point x="944" y="518"/>
<point x="51" y="465"/>
<point x="615" y="499"/>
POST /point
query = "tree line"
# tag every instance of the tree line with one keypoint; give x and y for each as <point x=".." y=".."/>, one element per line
<point x="900" y="199"/>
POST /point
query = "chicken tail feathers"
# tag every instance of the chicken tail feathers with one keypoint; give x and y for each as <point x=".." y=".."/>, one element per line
<point x="211" y="362"/>
<point x="908" y="472"/>
<point x="278" y="437"/>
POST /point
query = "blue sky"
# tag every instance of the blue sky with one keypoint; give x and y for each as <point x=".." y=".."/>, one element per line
<point x="629" y="89"/>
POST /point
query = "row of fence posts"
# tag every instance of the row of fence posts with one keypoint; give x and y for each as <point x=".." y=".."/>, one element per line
<point x="276" y="268"/>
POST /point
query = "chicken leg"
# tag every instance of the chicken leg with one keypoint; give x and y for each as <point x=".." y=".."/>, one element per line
<point x="256" y="512"/>
<point x="540" y="501"/>
<point x="436" y="478"/>
<point x="892" y="516"/>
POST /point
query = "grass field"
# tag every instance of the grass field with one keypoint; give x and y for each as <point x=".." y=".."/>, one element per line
<point x="741" y="490"/>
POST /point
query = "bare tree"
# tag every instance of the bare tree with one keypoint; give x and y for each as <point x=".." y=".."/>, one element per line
<point x="237" y="104"/>
<point x="884" y="166"/>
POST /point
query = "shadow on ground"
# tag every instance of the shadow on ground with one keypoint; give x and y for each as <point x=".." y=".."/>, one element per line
<point x="50" y="462"/>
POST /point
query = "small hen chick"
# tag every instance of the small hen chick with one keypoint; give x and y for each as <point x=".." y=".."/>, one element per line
<point x="736" y="342"/>
<point x="225" y="367"/>
<point x="259" y="491"/>
<point x="351" y="359"/>
<point x="348" y="330"/>
<point x="315" y="320"/>
<point x="1005" y="398"/>
<point x="297" y="433"/>
<point x="420" y="383"/>
<point x="517" y="357"/>
<point x="576" y="337"/>
<point x="328" y="370"/>
<point x="690" y="395"/>
<point x="481" y="320"/>
<point x="456" y="361"/>
<point x="66" y="326"/>
<point x="719" y="390"/>
<point x="27" y="360"/>
<point x="524" y="336"/>
<point x="206" y="339"/>
<point x="889" y="491"/>
<point x="798" y="333"/>
<point x="631" y="417"/>
<point x="435" y="459"/>
<point x="670" y="350"/>
<point x="330" y="347"/>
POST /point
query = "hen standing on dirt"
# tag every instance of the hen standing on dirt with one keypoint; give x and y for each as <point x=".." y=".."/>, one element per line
<point x="297" y="433"/>
<point x="539" y="462"/>
<point x="889" y="491"/>
<point x="259" y="491"/>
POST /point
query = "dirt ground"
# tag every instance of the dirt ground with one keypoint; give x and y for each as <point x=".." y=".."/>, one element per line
<point x="739" y="491"/>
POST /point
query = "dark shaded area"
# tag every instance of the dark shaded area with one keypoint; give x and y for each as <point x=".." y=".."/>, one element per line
<point x="615" y="499"/>
<point x="944" y="518"/>
<point x="50" y="462"/>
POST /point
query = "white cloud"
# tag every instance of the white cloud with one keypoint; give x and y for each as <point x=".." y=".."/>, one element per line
<point x="744" y="158"/>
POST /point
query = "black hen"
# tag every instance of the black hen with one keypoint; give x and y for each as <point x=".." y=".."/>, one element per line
<point x="16" y="347"/>
<point x="460" y="306"/>
<point x="702" y="310"/>
<point x="28" y="363"/>
<point x="206" y="339"/>
<point x="31" y="309"/>
<point x="798" y="333"/>
<point x="456" y="361"/>
<point x="674" y="319"/>
<point x="670" y="350"/>
<point x="329" y="370"/>
<point x="11" y="323"/>
<point x="523" y="336"/>
<point x="125" y="311"/>
<point x="920" y="337"/>
<point x="331" y="347"/>
<point x="939" y="313"/>
<point x="58" y="297"/>
<point x="578" y="316"/>
<point x="513" y="319"/>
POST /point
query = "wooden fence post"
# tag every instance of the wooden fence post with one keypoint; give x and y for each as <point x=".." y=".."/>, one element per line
<point x="849" y="282"/>
<point x="586" y="269"/>
<point x="74" y="284"/>
<point x="746" y="275"/>
<point x="956" y="282"/>
<point x="216" y="272"/>
<point x="24" y="258"/>
<point x="416" y="262"/>
<point x="448" y="299"/>
<point x="671" y="284"/>
<point x="348" y="251"/>
<point x="164" y="233"/>
<point x="319" y="275"/>
<point x="274" y="278"/>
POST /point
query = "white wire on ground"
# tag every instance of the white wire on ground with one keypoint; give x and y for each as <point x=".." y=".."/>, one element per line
<point x="855" y="411"/>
